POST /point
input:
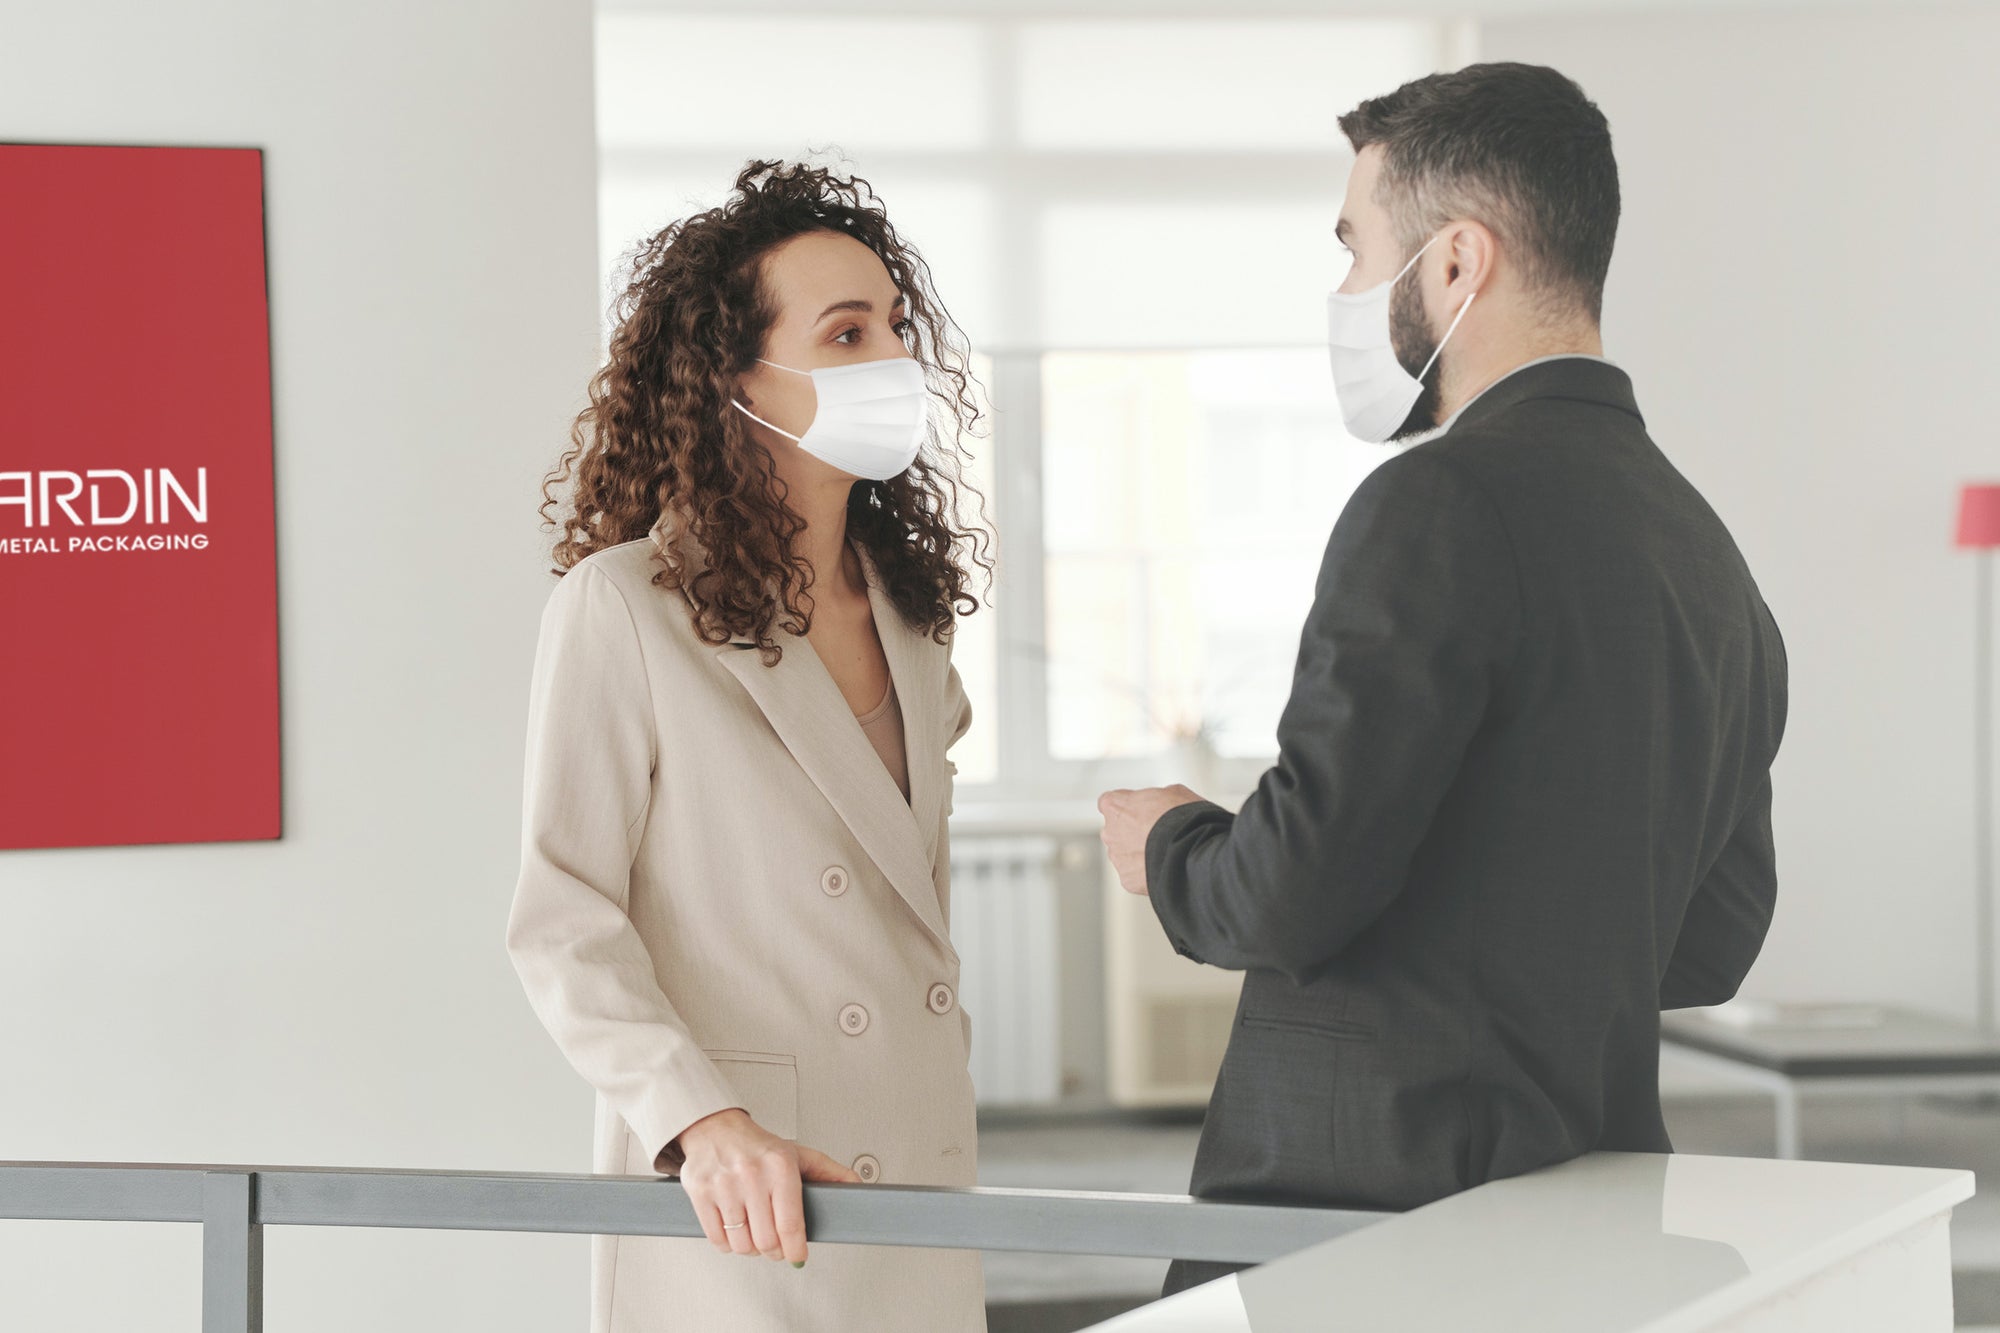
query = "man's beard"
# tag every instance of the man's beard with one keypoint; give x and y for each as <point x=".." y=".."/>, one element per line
<point x="1411" y="339"/>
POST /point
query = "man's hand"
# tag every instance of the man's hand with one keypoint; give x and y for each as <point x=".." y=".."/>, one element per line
<point x="1129" y="817"/>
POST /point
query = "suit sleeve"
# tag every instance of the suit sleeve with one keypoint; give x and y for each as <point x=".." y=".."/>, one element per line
<point x="1728" y="916"/>
<point x="587" y="972"/>
<point x="1415" y="614"/>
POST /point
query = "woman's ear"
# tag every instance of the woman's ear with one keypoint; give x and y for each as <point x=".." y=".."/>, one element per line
<point x="739" y="388"/>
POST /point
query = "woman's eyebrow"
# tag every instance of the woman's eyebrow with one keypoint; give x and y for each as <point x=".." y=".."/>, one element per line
<point x="858" y="305"/>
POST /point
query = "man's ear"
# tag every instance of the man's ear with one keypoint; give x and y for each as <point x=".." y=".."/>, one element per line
<point x="1473" y="252"/>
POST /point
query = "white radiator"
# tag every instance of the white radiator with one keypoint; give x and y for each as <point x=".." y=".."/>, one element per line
<point x="1003" y="924"/>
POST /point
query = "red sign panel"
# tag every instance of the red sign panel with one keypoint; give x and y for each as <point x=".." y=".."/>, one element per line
<point x="138" y="574"/>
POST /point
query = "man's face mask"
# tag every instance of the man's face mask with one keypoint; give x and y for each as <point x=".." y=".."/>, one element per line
<point x="1376" y="392"/>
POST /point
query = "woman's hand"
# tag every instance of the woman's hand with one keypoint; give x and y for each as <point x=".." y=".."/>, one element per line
<point x="738" y="1172"/>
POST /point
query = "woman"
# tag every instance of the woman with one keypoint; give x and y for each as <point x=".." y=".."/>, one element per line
<point x="734" y="901"/>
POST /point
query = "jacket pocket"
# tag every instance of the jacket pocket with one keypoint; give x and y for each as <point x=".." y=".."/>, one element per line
<point x="768" y="1083"/>
<point x="1338" y="1029"/>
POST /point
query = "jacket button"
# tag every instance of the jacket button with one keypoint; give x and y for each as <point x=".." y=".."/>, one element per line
<point x="834" y="881"/>
<point x="868" y="1169"/>
<point x="853" y="1019"/>
<point x="940" y="998"/>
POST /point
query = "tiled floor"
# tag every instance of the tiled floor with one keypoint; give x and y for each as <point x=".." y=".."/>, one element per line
<point x="1152" y="1153"/>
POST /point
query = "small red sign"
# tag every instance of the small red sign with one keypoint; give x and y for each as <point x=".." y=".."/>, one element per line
<point x="138" y="561"/>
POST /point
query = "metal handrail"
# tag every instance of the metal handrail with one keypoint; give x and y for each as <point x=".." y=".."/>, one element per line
<point x="234" y="1203"/>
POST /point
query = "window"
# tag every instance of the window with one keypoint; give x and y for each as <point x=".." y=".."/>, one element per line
<point x="1187" y="498"/>
<point x="1132" y="220"/>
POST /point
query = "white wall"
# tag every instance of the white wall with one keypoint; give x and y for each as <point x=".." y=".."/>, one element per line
<point x="1803" y="293"/>
<point x="341" y="996"/>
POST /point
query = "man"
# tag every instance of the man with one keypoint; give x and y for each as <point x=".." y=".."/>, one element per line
<point x="1522" y="801"/>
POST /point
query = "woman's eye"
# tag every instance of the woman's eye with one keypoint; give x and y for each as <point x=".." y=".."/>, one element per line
<point x="903" y="327"/>
<point x="843" y="336"/>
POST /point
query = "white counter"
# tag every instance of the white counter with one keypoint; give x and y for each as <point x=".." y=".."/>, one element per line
<point x="1618" y="1243"/>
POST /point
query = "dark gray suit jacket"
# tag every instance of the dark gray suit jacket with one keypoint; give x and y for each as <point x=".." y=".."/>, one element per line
<point x="1522" y="804"/>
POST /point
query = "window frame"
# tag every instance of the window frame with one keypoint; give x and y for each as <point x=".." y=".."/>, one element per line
<point x="1027" y="768"/>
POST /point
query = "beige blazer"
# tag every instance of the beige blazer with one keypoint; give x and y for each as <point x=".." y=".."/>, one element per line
<point x="725" y="901"/>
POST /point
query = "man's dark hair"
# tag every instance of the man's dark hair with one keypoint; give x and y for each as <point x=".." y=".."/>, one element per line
<point x="1516" y="147"/>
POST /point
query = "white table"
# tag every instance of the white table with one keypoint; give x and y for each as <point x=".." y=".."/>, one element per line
<point x="1807" y="1049"/>
<point x="1618" y="1243"/>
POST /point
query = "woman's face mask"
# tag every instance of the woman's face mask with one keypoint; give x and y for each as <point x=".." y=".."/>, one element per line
<point x="1376" y="393"/>
<point x="871" y="416"/>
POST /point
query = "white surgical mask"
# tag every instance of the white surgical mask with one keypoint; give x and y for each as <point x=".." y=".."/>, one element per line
<point x="1376" y="393"/>
<point x="871" y="416"/>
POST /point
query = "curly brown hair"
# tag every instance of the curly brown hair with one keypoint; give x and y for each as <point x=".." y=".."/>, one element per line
<point x="658" y="434"/>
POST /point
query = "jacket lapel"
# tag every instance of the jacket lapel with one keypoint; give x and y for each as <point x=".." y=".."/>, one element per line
<point x="800" y="700"/>
<point x="918" y="665"/>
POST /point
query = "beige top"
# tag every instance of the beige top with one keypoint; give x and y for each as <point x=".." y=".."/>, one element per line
<point x="883" y="725"/>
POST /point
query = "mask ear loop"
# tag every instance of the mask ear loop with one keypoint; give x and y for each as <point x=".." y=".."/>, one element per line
<point x="1447" y="336"/>
<point x="759" y="420"/>
<point x="1413" y="260"/>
